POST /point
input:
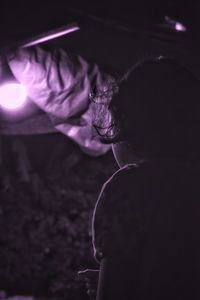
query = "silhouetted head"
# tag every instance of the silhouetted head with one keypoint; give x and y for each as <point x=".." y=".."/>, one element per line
<point x="156" y="111"/>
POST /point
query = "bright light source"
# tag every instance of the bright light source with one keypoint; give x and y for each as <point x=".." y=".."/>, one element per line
<point x="12" y="95"/>
<point x="180" y="27"/>
<point x="173" y="24"/>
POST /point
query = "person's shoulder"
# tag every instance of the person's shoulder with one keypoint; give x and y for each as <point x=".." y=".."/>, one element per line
<point x="133" y="178"/>
<point x="110" y="197"/>
<point x="120" y="178"/>
<point x="116" y="188"/>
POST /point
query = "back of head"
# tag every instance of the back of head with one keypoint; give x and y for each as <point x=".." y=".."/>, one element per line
<point x="157" y="110"/>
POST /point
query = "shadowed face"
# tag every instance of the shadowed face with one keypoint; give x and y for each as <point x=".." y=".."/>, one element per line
<point x="156" y="113"/>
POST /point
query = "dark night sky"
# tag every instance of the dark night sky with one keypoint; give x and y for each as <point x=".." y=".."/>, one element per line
<point x="18" y="18"/>
<point x="24" y="19"/>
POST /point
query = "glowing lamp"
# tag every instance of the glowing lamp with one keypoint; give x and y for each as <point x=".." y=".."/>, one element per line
<point x="180" y="27"/>
<point x="12" y="95"/>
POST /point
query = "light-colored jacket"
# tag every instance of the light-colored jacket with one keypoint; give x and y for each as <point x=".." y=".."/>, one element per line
<point x="60" y="85"/>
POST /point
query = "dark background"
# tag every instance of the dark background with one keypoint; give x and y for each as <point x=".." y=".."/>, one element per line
<point x="48" y="186"/>
<point x="48" y="189"/>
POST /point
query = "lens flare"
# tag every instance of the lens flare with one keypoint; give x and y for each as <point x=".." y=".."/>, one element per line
<point x="12" y="95"/>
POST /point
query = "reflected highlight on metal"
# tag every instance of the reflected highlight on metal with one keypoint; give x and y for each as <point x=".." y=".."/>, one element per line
<point x="50" y="35"/>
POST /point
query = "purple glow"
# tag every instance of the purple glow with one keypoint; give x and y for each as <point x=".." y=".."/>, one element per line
<point x="12" y="95"/>
<point x="173" y="24"/>
<point x="51" y="35"/>
<point x="180" y="27"/>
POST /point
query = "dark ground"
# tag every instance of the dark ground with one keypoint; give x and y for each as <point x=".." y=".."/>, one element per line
<point x="47" y="195"/>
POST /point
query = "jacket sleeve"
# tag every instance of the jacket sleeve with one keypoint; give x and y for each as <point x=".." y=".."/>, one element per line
<point x="60" y="84"/>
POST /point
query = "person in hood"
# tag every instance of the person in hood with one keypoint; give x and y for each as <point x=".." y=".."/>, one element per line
<point x="146" y="223"/>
